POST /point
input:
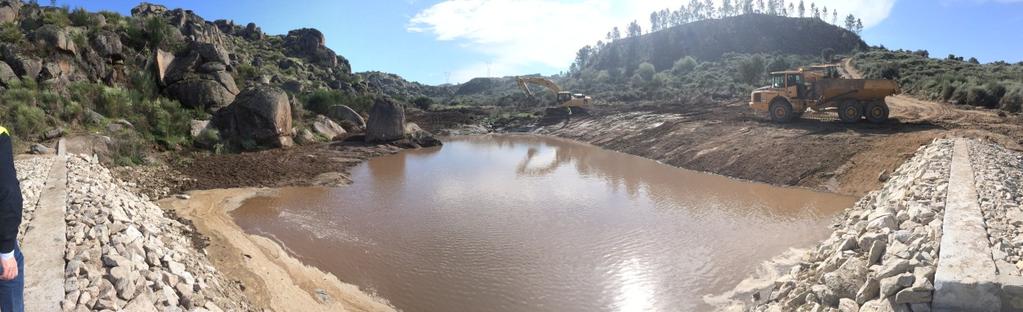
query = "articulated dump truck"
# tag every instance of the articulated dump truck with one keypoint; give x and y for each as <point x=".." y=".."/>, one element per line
<point x="819" y="88"/>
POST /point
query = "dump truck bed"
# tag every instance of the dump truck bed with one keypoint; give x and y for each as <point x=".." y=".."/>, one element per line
<point x="855" y="89"/>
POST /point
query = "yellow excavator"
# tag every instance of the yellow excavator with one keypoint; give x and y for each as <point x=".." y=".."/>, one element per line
<point x="564" y="98"/>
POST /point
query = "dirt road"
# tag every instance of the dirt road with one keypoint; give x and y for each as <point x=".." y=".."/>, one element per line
<point x="970" y="121"/>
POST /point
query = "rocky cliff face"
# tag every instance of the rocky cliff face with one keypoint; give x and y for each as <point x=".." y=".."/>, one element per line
<point x="173" y="53"/>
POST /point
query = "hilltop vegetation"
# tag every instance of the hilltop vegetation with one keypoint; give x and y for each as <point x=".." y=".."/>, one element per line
<point x="712" y="39"/>
<point x="952" y="79"/>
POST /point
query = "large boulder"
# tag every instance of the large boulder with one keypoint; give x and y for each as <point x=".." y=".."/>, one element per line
<point x="386" y="121"/>
<point x="201" y="93"/>
<point x="107" y="44"/>
<point x="26" y="66"/>
<point x="348" y="118"/>
<point x="199" y="78"/>
<point x="260" y="114"/>
<point x="419" y="137"/>
<point x="9" y="10"/>
<point x="7" y="74"/>
<point x="328" y="128"/>
<point x="56" y="38"/>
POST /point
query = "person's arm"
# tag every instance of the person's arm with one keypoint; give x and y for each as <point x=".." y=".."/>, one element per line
<point x="10" y="199"/>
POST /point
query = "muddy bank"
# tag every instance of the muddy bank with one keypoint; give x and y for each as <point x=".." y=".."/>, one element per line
<point x="271" y="277"/>
<point x="729" y="140"/>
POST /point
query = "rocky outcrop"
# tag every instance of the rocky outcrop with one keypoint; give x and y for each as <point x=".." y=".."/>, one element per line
<point x="198" y="77"/>
<point x="260" y="114"/>
<point x="56" y="38"/>
<point x="107" y="44"/>
<point x="310" y="45"/>
<point x="883" y="253"/>
<point x="347" y="117"/>
<point x="147" y="9"/>
<point x="9" y="10"/>
<point x="386" y="121"/>
<point x="23" y="65"/>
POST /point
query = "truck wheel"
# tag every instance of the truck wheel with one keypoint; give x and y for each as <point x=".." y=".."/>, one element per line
<point x="849" y="112"/>
<point x="877" y="112"/>
<point x="781" y="111"/>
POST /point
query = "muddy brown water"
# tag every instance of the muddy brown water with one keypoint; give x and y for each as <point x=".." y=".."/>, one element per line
<point x="528" y="223"/>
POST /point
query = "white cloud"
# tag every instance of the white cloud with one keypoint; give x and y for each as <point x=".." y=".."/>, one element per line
<point x="516" y="34"/>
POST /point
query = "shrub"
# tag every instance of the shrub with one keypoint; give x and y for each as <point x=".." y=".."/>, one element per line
<point x="777" y="64"/>
<point x="25" y="120"/>
<point x="827" y="54"/>
<point x="751" y="69"/>
<point x="113" y="103"/>
<point x="56" y="16"/>
<point x="321" y="100"/>
<point x="890" y="71"/>
<point x="9" y="32"/>
<point x="82" y="18"/>
<point x="153" y="32"/>
<point x="646" y="71"/>
<point x="684" y="65"/>
<point x="1012" y="101"/>
<point x="423" y="102"/>
<point x="113" y="18"/>
<point x="129" y="149"/>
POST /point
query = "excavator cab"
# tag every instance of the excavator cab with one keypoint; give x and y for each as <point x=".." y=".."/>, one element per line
<point x="564" y="96"/>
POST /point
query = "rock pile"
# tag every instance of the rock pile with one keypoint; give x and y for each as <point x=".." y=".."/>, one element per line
<point x="883" y="254"/>
<point x="32" y="173"/>
<point x="124" y="253"/>
<point x="999" y="176"/>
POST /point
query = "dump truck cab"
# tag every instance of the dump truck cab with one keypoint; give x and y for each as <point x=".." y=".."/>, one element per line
<point x="787" y="86"/>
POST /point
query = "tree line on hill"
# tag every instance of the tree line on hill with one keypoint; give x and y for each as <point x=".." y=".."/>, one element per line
<point x="697" y="10"/>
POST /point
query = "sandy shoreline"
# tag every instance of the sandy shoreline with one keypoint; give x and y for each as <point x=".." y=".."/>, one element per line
<point x="271" y="277"/>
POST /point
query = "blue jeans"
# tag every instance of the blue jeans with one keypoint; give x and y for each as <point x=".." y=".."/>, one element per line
<point x="12" y="292"/>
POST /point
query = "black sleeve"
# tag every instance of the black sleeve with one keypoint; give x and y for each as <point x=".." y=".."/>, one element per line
<point x="10" y="197"/>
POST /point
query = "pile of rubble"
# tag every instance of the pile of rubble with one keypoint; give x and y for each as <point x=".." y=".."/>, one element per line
<point x="883" y="253"/>
<point x="999" y="175"/>
<point x="124" y="253"/>
<point x="32" y="173"/>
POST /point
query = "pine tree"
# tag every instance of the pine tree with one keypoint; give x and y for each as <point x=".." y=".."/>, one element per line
<point x="634" y="30"/>
<point x="655" y="21"/>
<point x="792" y="9"/>
<point x="850" y="22"/>
<point x="802" y="9"/>
<point x="726" y="8"/>
<point x="616" y="34"/>
<point x="834" y="17"/>
<point x="709" y="6"/>
<point x="859" y="26"/>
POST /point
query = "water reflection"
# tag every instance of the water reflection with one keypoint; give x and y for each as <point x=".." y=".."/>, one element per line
<point x="525" y="223"/>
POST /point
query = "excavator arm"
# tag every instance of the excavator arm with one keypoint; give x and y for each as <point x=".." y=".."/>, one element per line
<point x="525" y="81"/>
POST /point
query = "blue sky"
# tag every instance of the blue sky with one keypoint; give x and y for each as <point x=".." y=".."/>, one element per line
<point x="440" y="41"/>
